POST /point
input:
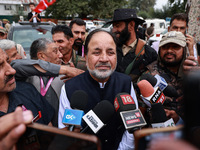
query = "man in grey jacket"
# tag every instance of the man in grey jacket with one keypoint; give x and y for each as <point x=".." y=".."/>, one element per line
<point x="43" y="75"/>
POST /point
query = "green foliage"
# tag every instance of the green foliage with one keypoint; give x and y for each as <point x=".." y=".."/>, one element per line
<point x="171" y="8"/>
<point x="144" y="14"/>
<point x="83" y="8"/>
<point x="141" y="5"/>
<point x="63" y="9"/>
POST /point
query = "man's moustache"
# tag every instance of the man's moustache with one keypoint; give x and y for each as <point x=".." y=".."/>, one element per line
<point x="78" y="40"/>
<point x="103" y="64"/>
<point x="117" y="32"/>
<point x="8" y="78"/>
<point x="169" y="54"/>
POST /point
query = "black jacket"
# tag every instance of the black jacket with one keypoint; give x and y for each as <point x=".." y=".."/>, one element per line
<point x="140" y="64"/>
<point x="30" y="15"/>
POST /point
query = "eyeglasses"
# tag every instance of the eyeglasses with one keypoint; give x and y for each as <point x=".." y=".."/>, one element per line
<point x="171" y="46"/>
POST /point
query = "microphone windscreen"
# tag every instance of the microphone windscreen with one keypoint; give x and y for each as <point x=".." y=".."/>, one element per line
<point x="151" y="79"/>
<point x="104" y="110"/>
<point x="124" y="102"/>
<point x="158" y="113"/>
<point x="79" y="100"/>
<point x="170" y="91"/>
<point x="146" y="89"/>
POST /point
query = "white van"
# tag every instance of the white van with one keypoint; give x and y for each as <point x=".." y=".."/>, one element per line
<point x="64" y="22"/>
<point x="89" y="25"/>
<point x="98" y="23"/>
<point x="159" y="25"/>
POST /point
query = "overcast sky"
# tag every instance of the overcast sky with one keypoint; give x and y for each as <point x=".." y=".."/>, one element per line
<point x="160" y="3"/>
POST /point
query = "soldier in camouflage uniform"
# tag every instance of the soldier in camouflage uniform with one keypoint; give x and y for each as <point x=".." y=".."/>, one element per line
<point x="133" y="54"/>
<point x="172" y="53"/>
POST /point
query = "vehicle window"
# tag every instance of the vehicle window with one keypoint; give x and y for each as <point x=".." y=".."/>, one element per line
<point x="162" y="25"/>
<point x="25" y="37"/>
<point x="165" y="31"/>
<point x="106" y="25"/>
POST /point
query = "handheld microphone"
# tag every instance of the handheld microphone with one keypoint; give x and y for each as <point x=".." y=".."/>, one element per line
<point x="158" y="81"/>
<point x="125" y="106"/>
<point x="149" y="94"/>
<point x="73" y="117"/>
<point x="98" y="117"/>
<point x="159" y="118"/>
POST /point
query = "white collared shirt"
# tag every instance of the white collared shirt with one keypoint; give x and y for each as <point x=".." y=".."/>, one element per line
<point x="127" y="141"/>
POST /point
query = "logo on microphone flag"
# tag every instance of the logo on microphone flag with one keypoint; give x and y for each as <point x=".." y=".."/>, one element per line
<point x="44" y="4"/>
<point x="72" y="117"/>
<point x="132" y="118"/>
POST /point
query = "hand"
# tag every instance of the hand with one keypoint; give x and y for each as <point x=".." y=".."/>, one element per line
<point x="69" y="72"/>
<point x="71" y="64"/>
<point x="190" y="63"/>
<point x="172" y="114"/>
<point x="190" y="44"/>
<point x="12" y="126"/>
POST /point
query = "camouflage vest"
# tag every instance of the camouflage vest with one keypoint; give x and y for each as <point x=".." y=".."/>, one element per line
<point x="172" y="103"/>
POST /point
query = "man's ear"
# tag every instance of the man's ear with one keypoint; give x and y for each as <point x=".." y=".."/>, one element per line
<point x="40" y="55"/>
<point x="71" y="40"/>
<point x="131" y="26"/>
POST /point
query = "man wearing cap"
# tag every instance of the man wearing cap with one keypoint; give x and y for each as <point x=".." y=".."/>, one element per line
<point x="171" y="55"/>
<point x="6" y="24"/>
<point x="132" y="53"/>
<point x="3" y="34"/>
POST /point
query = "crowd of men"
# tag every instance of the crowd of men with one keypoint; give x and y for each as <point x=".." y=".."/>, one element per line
<point x="103" y="65"/>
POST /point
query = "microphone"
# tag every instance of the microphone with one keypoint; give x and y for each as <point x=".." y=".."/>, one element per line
<point x="125" y="106"/>
<point x="73" y="117"/>
<point x="98" y="117"/>
<point x="159" y="118"/>
<point x="149" y="94"/>
<point x="158" y="81"/>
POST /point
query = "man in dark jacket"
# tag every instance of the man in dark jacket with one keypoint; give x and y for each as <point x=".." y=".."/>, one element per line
<point x="132" y="53"/>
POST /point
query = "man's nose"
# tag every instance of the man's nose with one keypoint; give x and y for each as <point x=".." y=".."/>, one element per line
<point x="10" y="70"/>
<point x="60" y="55"/>
<point x="179" y="30"/>
<point x="170" y="48"/>
<point x="79" y="35"/>
<point x="104" y="57"/>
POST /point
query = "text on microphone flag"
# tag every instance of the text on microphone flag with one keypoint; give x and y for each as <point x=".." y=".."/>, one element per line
<point x="116" y="104"/>
<point x="127" y="99"/>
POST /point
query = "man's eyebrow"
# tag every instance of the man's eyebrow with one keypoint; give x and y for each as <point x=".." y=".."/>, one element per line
<point x="14" y="54"/>
<point x="2" y="60"/>
<point x="110" y="48"/>
<point x="97" y="48"/>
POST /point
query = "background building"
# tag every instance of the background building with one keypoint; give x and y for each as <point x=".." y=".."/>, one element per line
<point x="15" y="10"/>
